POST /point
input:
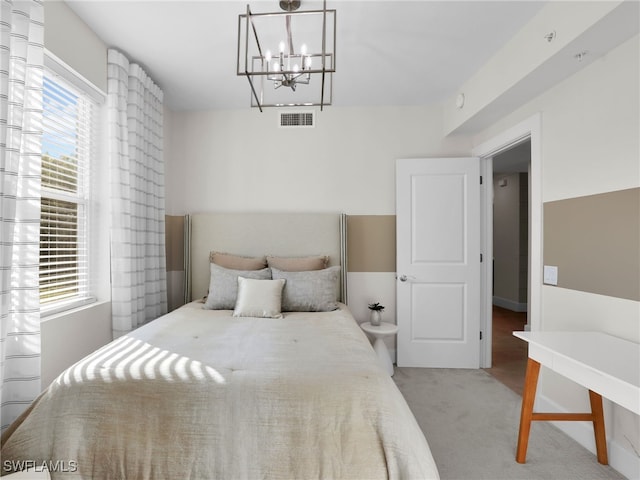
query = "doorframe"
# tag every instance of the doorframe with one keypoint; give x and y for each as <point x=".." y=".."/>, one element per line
<point x="529" y="129"/>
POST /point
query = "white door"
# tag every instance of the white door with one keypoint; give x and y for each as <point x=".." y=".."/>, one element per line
<point x="438" y="262"/>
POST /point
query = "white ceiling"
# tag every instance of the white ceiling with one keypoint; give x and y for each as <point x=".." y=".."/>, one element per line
<point x="388" y="52"/>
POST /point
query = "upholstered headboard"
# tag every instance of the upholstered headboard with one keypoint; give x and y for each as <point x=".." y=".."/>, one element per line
<point x="262" y="233"/>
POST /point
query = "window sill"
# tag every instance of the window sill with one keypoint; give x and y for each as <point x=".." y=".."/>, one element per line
<point x="74" y="306"/>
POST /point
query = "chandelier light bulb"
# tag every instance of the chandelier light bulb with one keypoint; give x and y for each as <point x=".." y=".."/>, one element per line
<point x="267" y="56"/>
<point x="303" y="49"/>
<point x="307" y="63"/>
<point x="281" y="47"/>
<point x="296" y="68"/>
<point x="276" y="66"/>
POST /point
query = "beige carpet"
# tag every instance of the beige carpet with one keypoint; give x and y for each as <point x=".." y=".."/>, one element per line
<point x="471" y="423"/>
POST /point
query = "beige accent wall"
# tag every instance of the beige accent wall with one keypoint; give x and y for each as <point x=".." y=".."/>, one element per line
<point x="174" y="247"/>
<point x="174" y="242"/>
<point x="371" y="243"/>
<point x="595" y="243"/>
<point x="371" y="250"/>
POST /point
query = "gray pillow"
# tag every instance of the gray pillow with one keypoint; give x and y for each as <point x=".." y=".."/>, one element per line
<point x="223" y="286"/>
<point x="312" y="291"/>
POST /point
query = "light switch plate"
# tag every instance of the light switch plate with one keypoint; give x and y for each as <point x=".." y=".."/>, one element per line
<point x="550" y="275"/>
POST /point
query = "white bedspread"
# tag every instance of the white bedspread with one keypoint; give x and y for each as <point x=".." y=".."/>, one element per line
<point x="203" y="395"/>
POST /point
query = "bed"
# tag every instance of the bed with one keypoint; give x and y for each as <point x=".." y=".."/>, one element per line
<point x="231" y="393"/>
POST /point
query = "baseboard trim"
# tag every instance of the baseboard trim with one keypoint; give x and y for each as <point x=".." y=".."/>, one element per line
<point x="620" y="458"/>
<point x="509" y="304"/>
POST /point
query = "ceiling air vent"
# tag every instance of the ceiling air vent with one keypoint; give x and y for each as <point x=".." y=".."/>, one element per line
<point x="297" y="119"/>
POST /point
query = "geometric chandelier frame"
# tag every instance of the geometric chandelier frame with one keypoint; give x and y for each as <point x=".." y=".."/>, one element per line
<point x="288" y="57"/>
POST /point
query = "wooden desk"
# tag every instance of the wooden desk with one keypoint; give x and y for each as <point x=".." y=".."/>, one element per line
<point x="608" y="366"/>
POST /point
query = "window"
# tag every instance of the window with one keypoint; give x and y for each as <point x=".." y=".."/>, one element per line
<point x="68" y="145"/>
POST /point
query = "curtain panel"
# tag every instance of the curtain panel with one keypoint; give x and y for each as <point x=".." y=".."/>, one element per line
<point x="21" y="74"/>
<point x="138" y="263"/>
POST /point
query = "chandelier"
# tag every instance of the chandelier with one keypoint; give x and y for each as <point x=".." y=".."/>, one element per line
<point x="288" y="57"/>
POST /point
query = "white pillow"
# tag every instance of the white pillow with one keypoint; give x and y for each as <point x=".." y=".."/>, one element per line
<point x="259" y="298"/>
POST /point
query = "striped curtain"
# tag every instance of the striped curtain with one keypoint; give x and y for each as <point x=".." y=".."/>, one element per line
<point x="138" y="264"/>
<point x="21" y="70"/>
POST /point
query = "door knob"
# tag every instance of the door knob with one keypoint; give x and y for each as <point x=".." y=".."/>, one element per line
<point x="403" y="278"/>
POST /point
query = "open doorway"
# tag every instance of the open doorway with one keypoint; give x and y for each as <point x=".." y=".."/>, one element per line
<point x="527" y="130"/>
<point x="510" y="263"/>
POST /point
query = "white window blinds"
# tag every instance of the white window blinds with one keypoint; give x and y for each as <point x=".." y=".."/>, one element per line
<point x="68" y="145"/>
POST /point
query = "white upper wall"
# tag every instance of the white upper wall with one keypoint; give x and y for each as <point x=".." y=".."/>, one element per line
<point x="241" y="160"/>
<point x="532" y="62"/>
<point x="70" y="39"/>
<point x="590" y="125"/>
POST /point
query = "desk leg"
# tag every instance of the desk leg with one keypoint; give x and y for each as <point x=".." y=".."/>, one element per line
<point x="526" y="414"/>
<point x="598" y="427"/>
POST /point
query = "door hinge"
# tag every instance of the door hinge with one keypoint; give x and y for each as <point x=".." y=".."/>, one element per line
<point x="480" y="258"/>
<point x="480" y="335"/>
<point x="480" y="179"/>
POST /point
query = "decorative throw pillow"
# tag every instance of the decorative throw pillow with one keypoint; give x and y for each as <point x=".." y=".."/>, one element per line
<point x="223" y="286"/>
<point x="313" y="291"/>
<point x="298" y="264"/>
<point x="237" y="262"/>
<point x="259" y="298"/>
